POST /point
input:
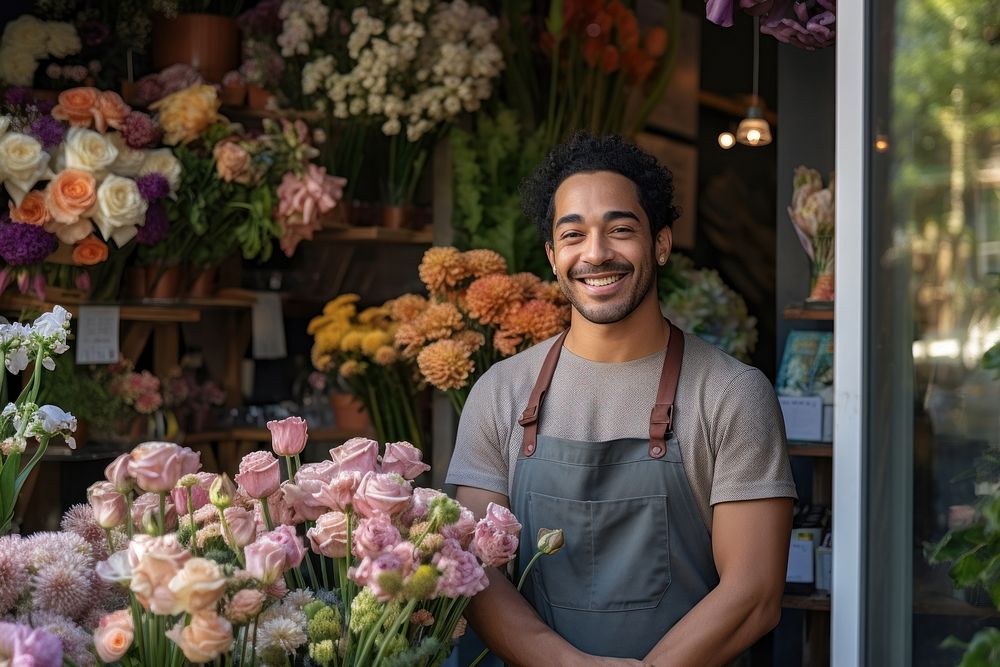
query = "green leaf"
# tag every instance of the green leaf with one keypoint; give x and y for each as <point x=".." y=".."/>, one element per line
<point x="966" y="570"/>
<point x="983" y="650"/>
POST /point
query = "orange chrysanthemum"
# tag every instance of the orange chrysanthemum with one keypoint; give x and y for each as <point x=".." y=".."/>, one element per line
<point x="386" y="355"/>
<point x="407" y="307"/>
<point x="442" y="268"/>
<point x="446" y="364"/>
<point x="350" y="368"/>
<point x="489" y="298"/>
<point x="529" y="283"/>
<point x="439" y="320"/>
<point x="473" y="340"/>
<point x="537" y="320"/>
<point x="506" y="342"/>
<point x="551" y="292"/>
<point x="484" y="262"/>
<point x="409" y="339"/>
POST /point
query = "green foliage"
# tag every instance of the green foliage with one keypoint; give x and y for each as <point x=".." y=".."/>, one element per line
<point x="426" y="649"/>
<point x="982" y="651"/>
<point x="76" y="390"/>
<point x="257" y="228"/>
<point x="489" y="164"/>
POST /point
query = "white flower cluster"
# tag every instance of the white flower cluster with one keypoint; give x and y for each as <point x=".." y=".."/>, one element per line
<point x="301" y="21"/>
<point x="32" y="421"/>
<point x="26" y="40"/>
<point x="412" y="68"/>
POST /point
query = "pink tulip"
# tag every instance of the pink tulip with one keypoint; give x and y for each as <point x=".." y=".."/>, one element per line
<point x="265" y="559"/>
<point x="288" y="436"/>
<point x="199" y="493"/>
<point x="359" y="454"/>
<point x="259" y="474"/>
<point x="329" y="536"/>
<point x="308" y="481"/>
<point x="241" y="524"/>
<point x="117" y="474"/>
<point x="404" y="459"/>
<point x="388" y="494"/>
<point x="110" y="509"/>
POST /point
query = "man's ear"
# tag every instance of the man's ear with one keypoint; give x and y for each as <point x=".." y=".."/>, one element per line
<point x="663" y="245"/>
<point x="551" y="255"/>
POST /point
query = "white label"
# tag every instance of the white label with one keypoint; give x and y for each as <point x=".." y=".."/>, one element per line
<point x="97" y="335"/>
<point x="803" y="417"/>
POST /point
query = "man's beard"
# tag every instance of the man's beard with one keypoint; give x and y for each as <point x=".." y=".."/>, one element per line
<point x="618" y="308"/>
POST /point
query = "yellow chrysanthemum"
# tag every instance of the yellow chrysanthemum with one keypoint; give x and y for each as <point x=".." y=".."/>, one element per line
<point x="321" y="361"/>
<point x="373" y="340"/>
<point x="481" y="263"/>
<point x="442" y="268"/>
<point x="350" y="368"/>
<point x="351" y="342"/>
<point x="339" y="302"/>
<point x="446" y="364"/>
<point x="407" y="307"/>
<point x="489" y="298"/>
<point x="376" y="316"/>
<point x="386" y="355"/>
<point x="328" y="340"/>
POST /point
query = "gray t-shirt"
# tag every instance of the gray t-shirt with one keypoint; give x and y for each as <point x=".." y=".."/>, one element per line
<point x="726" y="418"/>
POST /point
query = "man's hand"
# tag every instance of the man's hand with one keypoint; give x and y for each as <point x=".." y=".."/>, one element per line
<point x="750" y="545"/>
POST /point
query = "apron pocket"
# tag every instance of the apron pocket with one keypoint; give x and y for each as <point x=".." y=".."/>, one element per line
<point x="616" y="557"/>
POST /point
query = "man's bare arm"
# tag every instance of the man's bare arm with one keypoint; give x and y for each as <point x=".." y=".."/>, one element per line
<point x="505" y="621"/>
<point x="750" y="545"/>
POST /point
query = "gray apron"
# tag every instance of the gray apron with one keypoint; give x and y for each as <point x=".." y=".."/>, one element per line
<point x="637" y="555"/>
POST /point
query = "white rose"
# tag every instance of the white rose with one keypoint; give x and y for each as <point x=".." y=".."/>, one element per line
<point x="17" y="68"/>
<point x="62" y="39"/>
<point x="163" y="161"/>
<point x="27" y="34"/>
<point x="129" y="160"/>
<point x="120" y="209"/>
<point x="22" y="164"/>
<point x="88" y="150"/>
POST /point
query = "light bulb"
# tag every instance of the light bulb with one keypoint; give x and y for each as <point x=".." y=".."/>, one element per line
<point x="753" y="130"/>
<point x="753" y="136"/>
<point x="727" y="140"/>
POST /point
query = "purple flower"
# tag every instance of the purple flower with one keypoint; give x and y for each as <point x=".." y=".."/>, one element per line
<point x="262" y="19"/>
<point x="45" y="106"/>
<point x="48" y="130"/>
<point x="22" y="244"/>
<point x="156" y="227"/>
<point x="153" y="187"/>
<point x="18" y="96"/>
<point x="23" y="645"/>
<point x="141" y="131"/>
<point x="93" y="33"/>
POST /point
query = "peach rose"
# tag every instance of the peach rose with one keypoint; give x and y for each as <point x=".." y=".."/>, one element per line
<point x="110" y="111"/>
<point x="156" y="466"/>
<point x="245" y="605"/>
<point x="385" y="493"/>
<point x="90" y="251"/>
<point x="404" y="459"/>
<point x="113" y="636"/>
<point x="329" y="536"/>
<point x="205" y="638"/>
<point x="70" y="195"/>
<point x="32" y="210"/>
<point x="77" y="106"/>
<point x="184" y="115"/>
<point x="232" y="162"/>
<point x="198" y="586"/>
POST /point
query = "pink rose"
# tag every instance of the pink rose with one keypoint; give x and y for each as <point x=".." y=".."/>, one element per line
<point x="146" y="512"/>
<point x="501" y="518"/>
<point x="109" y="506"/>
<point x="198" y="586"/>
<point x="494" y="547"/>
<point x="265" y="559"/>
<point x="242" y="525"/>
<point x="113" y="636"/>
<point x="419" y="505"/>
<point x="359" y="454"/>
<point x="461" y="573"/>
<point x="117" y="474"/>
<point x="259" y="474"/>
<point x="374" y="536"/>
<point x="295" y="550"/>
<point x="388" y="494"/>
<point x="462" y="530"/>
<point x="245" y="605"/>
<point x="156" y="466"/>
<point x="288" y="436"/>
<point x="369" y="571"/>
<point x="308" y="481"/>
<point x="199" y="493"/>
<point x="280" y="511"/>
<point x="329" y="536"/>
<point x="159" y="559"/>
<point x="404" y="459"/>
<point x="339" y="493"/>
<point x="205" y="638"/>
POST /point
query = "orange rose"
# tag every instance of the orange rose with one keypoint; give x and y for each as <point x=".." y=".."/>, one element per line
<point x="90" y="251"/>
<point x="70" y="194"/>
<point x="232" y="162"/>
<point x="77" y="105"/>
<point x="32" y="210"/>
<point x="110" y="112"/>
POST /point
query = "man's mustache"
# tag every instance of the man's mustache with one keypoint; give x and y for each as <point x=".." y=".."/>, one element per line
<point x="603" y="268"/>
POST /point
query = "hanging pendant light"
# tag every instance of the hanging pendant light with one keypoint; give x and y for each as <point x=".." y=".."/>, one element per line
<point x="754" y="129"/>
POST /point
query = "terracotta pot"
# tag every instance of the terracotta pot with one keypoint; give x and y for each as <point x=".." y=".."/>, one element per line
<point x="395" y="217"/>
<point x="823" y="288"/>
<point x="204" y="284"/>
<point x="136" y="284"/>
<point x="349" y="413"/>
<point x="233" y="96"/>
<point x="130" y="92"/>
<point x="257" y="97"/>
<point x="164" y="282"/>
<point x="209" y="43"/>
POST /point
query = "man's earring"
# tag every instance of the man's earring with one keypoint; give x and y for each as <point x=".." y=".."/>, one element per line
<point x="553" y="269"/>
<point x="663" y="260"/>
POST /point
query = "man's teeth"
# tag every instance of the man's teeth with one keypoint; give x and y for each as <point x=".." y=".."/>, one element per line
<point x="602" y="282"/>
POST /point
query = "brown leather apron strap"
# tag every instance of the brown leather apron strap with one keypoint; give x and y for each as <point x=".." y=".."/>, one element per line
<point x="661" y="418"/>
<point x="529" y="418"/>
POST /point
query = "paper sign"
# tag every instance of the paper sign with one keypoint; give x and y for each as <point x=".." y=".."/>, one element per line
<point x="97" y="335"/>
<point x="268" y="327"/>
<point x="803" y="417"/>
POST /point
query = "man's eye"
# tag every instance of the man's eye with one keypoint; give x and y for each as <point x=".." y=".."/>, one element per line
<point x="571" y="235"/>
<point x="622" y="230"/>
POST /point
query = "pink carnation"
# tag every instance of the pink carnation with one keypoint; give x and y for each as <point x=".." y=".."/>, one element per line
<point x="494" y="547"/>
<point x="369" y="570"/>
<point x="461" y="573"/>
<point x="303" y="201"/>
<point x="375" y="536"/>
<point x="462" y="530"/>
<point x="339" y="493"/>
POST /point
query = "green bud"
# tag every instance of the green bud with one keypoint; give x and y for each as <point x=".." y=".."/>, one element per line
<point x="443" y="511"/>
<point x="150" y="525"/>
<point x="222" y="492"/>
<point x="323" y="652"/>
<point x="325" y="624"/>
<point x="550" y="540"/>
<point x="187" y="481"/>
<point x="421" y="584"/>
<point x="391" y="582"/>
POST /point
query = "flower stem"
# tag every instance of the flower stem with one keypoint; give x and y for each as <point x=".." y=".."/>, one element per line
<point x="193" y="545"/>
<point x="520" y="583"/>
<point x="232" y="541"/>
<point x="267" y="514"/>
<point x="163" y="511"/>
<point x="404" y="616"/>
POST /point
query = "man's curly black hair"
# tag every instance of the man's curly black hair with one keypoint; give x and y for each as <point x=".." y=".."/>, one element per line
<point x="585" y="153"/>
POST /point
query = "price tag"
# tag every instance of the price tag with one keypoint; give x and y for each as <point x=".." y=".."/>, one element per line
<point x="97" y="335"/>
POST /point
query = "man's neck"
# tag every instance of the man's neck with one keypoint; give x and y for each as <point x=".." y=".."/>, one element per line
<point x="642" y="333"/>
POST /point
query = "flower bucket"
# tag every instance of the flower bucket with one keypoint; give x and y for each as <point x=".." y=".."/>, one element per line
<point x="209" y="43"/>
<point x="233" y="96"/>
<point x="822" y="288"/>
<point x="395" y="217"/>
<point x="163" y="282"/>
<point x="257" y="97"/>
<point x="204" y="283"/>
<point x="349" y="414"/>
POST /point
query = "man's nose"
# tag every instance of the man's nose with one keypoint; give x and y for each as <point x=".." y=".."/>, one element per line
<point x="597" y="250"/>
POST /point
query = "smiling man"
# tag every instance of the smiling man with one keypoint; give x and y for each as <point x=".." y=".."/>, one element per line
<point x="662" y="458"/>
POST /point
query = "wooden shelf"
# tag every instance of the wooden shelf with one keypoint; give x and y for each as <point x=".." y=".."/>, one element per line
<point x="816" y="449"/>
<point x="815" y="602"/>
<point x="802" y="313"/>
<point x="375" y="235"/>
<point x="246" y="113"/>
<point x="146" y="310"/>
<point x="252" y="434"/>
